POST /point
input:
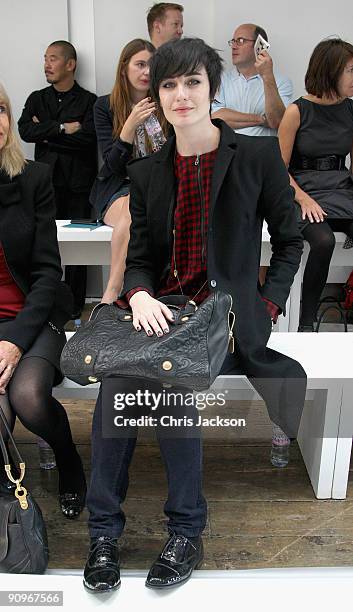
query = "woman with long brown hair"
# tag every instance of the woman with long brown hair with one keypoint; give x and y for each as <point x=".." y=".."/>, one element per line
<point x="128" y="125"/>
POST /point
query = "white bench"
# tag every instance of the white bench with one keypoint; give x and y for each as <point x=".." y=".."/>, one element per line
<point x="326" y="358"/>
<point x="83" y="246"/>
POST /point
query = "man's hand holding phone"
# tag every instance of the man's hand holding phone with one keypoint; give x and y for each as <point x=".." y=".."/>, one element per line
<point x="263" y="62"/>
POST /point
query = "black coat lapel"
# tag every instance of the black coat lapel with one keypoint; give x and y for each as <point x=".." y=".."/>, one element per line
<point x="225" y="154"/>
<point x="162" y="187"/>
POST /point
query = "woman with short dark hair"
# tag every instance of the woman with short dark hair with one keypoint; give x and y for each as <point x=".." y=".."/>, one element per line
<point x="315" y="136"/>
<point x="34" y="306"/>
<point x="197" y="208"/>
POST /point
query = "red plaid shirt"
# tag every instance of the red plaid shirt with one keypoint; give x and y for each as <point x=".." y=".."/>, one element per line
<point x="194" y="176"/>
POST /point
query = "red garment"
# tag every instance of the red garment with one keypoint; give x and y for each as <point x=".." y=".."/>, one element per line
<point x="11" y="297"/>
<point x="272" y="309"/>
<point x="194" y="176"/>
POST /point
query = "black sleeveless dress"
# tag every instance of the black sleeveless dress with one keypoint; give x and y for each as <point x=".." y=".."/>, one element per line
<point x="325" y="130"/>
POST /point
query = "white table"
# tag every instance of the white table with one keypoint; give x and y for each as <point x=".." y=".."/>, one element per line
<point x="83" y="246"/>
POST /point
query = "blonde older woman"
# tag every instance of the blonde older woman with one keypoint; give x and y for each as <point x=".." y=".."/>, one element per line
<point x="34" y="305"/>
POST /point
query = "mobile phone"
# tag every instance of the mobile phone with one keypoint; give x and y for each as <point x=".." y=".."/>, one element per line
<point x="261" y="45"/>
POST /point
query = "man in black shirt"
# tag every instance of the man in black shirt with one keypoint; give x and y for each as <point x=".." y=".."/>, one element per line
<point x="59" y="120"/>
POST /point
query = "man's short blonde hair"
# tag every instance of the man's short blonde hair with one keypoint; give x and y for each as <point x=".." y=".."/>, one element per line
<point x="158" y="12"/>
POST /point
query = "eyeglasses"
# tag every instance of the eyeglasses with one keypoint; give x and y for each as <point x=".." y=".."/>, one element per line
<point x="239" y="41"/>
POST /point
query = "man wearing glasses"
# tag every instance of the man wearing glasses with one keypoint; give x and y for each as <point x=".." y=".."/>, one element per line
<point x="252" y="99"/>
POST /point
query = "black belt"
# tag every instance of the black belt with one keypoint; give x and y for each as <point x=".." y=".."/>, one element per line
<point x="327" y="162"/>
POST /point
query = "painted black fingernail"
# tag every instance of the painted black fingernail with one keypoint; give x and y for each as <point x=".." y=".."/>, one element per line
<point x="159" y="333"/>
<point x="166" y="331"/>
<point x="138" y="328"/>
<point x="149" y="333"/>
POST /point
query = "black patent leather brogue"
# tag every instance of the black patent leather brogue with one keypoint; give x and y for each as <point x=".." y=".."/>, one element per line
<point x="102" y="570"/>
<point x="175" y="564"/>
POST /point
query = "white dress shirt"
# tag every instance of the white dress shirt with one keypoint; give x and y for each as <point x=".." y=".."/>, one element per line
<point x="247" y="96"/>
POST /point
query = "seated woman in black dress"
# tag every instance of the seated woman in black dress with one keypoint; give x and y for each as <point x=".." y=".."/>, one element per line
<point x="315" y="136"/>
<point x="34" y="305"/>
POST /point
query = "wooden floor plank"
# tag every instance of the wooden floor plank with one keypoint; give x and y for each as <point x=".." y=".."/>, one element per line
<point x="258" y="516"/>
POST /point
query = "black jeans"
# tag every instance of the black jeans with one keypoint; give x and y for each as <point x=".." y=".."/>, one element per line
<point x="181" y="453"/>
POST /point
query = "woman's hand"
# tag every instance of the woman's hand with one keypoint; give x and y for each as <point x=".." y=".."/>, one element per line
<point x="312" y="210"/>
<point x="150" y="314"/>
<point x="10" y="355"/>
<point x="141" y="111"/>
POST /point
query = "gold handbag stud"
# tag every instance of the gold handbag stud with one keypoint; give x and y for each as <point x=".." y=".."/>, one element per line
<point x="167" y="365"/>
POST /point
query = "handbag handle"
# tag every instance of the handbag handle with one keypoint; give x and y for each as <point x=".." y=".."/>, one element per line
<point x="7" y="465"/>
<point x="333" y="307"/>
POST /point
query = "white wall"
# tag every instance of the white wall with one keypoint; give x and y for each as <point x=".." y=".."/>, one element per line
<point x="82" y="36"/>
<point x="100" y="28"/>
<point x="117" y="21"/>
<point x="26" y="29"/>
<point x="293" y="28"/>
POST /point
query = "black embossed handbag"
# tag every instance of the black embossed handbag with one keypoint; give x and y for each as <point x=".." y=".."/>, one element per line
<point x="190" y="355"/>
<point x="23" y="535"/>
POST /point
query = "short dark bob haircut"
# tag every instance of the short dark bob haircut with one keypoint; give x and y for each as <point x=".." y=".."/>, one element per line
<point x="185" y="56"/>
<point x="326" y="66"/>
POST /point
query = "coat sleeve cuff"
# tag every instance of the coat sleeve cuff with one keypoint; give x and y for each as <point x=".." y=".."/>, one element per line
<point x="272" y="309"/>
<point x="124" y="300"/>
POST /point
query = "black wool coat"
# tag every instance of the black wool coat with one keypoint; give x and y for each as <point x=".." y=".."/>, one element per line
<point x="250" y="183"/>
<point x="28" y="238"/>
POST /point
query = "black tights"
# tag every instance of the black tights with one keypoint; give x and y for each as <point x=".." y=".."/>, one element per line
<point x="322" y="242"/>
<point x="30" y="399"/>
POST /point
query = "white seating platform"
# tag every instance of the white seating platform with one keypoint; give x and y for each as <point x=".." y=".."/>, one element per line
<point x="323" y="441"/>
<point x="265" y="590"/>
<point x="83" y="246"/>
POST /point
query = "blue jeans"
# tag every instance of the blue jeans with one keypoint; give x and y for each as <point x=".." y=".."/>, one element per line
<point x="185" y="507"/>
